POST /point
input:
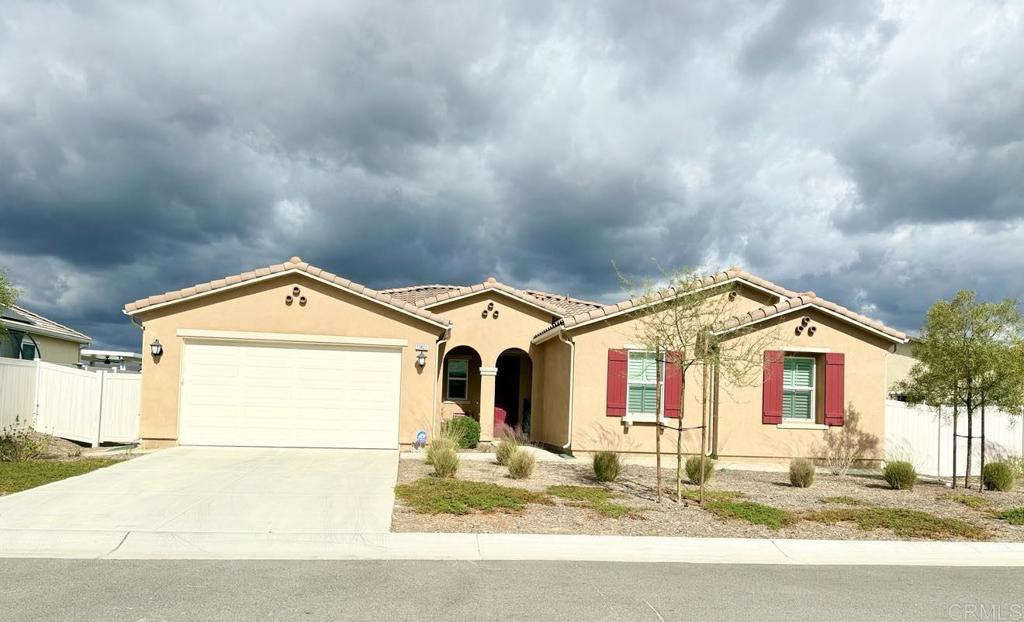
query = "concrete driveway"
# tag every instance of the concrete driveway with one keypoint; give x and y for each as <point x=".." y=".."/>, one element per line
<point x="219" y="490"/>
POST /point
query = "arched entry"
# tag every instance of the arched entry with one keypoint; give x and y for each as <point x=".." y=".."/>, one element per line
<point x="513" y="390"/>
<point x="460" y="382"/>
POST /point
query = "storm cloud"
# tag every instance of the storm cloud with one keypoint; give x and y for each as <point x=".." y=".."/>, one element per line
<point x="870" y="151"/>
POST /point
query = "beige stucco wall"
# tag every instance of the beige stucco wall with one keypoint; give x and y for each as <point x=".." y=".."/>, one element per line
<point x="260" y="307"/>
<point x="898" y="365"/>
<point x="741" y="433"/>
<point x="489" y="336"/>
<point x="59" y="351"/>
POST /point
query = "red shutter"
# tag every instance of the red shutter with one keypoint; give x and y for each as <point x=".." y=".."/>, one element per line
<point x="673" y="383"/>
<point x="618" y="365"/>
<point x="771" y="389"/>
<point x="835" y="401"/>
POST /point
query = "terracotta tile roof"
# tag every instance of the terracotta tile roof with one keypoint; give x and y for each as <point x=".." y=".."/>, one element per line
<point x="429" y="295"/>
<point x="785" y="302"/>
<point x="33" y="320"/>
<point x="296" y="264"/>
<point x="809" y="299"/>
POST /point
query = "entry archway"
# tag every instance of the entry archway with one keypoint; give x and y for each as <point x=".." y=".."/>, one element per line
<point x="513" y="392"/>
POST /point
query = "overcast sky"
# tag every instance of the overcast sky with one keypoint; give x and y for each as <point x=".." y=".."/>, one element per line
<point x="872" y="152"/>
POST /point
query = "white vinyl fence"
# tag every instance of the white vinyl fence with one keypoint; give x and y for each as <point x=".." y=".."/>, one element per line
<point x="924" y="437"/>
<point x="85" y="406"/>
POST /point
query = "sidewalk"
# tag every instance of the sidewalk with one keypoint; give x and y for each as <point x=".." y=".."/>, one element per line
<point x="500" y="547"/>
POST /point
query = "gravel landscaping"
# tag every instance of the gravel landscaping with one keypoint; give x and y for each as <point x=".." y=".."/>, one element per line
<point x="862" y="498"/>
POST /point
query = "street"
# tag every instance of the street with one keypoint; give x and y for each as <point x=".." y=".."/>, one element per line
<point x="114" y="590"/>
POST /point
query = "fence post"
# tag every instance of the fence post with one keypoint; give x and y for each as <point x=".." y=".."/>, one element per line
<point x="35" y="396"/>
<point x="100" y="378"/>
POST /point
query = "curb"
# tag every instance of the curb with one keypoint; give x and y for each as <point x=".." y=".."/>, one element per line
<point x="499" y="547"/>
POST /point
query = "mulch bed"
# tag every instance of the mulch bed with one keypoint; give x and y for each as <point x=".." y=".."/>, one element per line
<point x="635" y="488"/>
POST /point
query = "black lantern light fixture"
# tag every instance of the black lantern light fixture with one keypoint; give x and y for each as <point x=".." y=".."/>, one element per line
<point x="156" y="348"/>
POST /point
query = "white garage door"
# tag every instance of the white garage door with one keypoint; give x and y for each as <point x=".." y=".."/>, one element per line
<point x="288" y="395"/>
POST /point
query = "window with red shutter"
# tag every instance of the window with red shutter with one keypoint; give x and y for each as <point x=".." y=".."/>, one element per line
<point x="835" y="400"/>
<point x="771" y="387"/>
<point x="618" y="363"/>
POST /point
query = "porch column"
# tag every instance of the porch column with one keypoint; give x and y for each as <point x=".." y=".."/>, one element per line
<point x="487" y="375"/>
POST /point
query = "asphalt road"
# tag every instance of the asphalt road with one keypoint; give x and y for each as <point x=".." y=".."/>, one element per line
<point x="113" y="590"/>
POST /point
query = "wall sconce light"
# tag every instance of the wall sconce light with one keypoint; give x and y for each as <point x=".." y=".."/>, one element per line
<point x="421" y="354"/>
<point x="156" y="348"/>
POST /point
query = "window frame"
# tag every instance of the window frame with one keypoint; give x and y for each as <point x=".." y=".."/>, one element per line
<point x="634" y="417"/>
<point x="813" y="391"/>
<point x="448" y="380"/>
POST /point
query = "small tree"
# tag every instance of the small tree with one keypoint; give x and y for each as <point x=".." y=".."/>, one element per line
<point x="8" y="295"/>
<point x="970" y="356"/>
<point x="679" y="322"/>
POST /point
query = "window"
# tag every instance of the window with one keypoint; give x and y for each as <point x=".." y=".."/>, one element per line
<point x="798" y="388"/>
<point x="458" y="379"/>
<point x="642" y="385"/>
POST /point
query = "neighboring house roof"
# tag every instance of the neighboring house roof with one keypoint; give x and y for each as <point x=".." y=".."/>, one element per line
<point x="788" y="300"/>
<point x="20" y="318"/>
<point x="432" y="295"/>
<point x="293" y="265"/>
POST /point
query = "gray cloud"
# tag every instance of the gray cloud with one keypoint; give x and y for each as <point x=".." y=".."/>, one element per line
<point x="869" y="151"/>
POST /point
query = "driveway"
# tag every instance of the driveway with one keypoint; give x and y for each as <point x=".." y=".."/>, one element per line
<point x="219" y="490"/>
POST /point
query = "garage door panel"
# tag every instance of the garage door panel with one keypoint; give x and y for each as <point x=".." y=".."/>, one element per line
<point x="280" y="395"/>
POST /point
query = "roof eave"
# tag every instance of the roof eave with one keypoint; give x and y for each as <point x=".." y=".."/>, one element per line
<point x="436" y="321"/>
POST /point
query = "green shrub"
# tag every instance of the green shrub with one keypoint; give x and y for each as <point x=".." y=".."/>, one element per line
<point x="607" y="466"/>
<point x="446" y="463"/>
<point x="465" y="430"/>
<point x="447" y="440"/>
<point x="456" y="496"/>
<point x="508" y="446"/>
<point x="998" y="476"/>
<point x="521" y="463"/>
<point x="801" y="472"/>
<point x="693" y="469"/>
<point x="900" y="475"/>
<point x="18" y="443"/>
<point x="1014" y="516"/>
<point x="753" y="513"/>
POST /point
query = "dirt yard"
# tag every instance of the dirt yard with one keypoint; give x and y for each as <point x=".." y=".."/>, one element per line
<point x="802" y="509"/>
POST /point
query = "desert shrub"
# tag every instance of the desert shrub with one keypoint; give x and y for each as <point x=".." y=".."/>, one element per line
<point x="998" y="476"/>
<point x="801" y="472"/>
<point x="607" y="466"/>
<point x="693" y="469"/>
<point x="445" y="463"/>
<point x="847" y="444"/>
<point x="1017" y="462"/>
<point x="521" y="463"/>
<point x="18" y="443"/>
<point x="447" y="440"/>
<point x="465" y="430"/>
<point x="506" y="447"/>
<point x="900" y="475"/>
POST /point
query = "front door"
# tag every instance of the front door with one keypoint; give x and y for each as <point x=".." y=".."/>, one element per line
<point x="506" y="388"/>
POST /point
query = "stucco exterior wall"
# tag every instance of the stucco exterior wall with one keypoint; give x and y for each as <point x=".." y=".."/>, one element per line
<point x="260" y="307"/>
<point x="898" y="365"/>
<point x="58" y="351"/>
<point x="489" y="336"/>
<point x="551" y="409"/>
<point x="741" y="433"/>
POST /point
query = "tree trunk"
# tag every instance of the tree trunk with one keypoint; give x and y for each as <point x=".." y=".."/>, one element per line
<point x="981" y="480"/>
<point x="679" y="435"/>
<point x="970" y="441"/>
<point x="703" y="424"/>
<point x="657" y="418"/>
<point x="956" y="411"/>
<point x="714" y="414"/>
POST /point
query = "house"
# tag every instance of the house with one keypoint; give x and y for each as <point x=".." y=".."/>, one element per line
<point x="901" y="360"/>
<point x="31" y="336"/>
<point x="111" y="360"/>
<point x="293" y="355"/>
